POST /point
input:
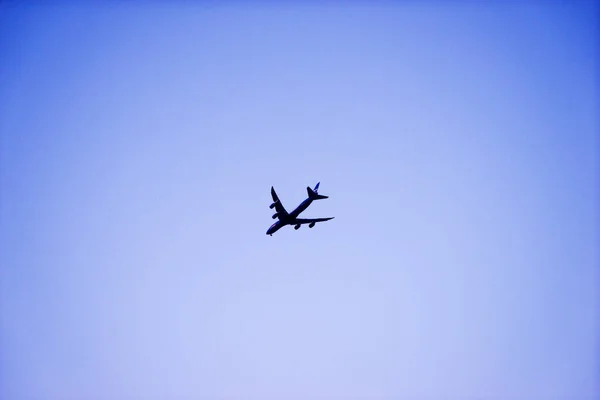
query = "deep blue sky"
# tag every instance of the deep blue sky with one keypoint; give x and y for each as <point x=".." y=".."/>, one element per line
<point x="459" y="145"/>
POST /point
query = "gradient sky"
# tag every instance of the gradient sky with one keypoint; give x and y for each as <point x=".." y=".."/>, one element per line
<point x="459" y="145"/>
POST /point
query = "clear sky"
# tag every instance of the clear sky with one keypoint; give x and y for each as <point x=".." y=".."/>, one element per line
<point x="459" y="145"/>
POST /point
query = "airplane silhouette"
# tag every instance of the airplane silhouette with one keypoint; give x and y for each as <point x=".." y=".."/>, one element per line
<point x="286" y="218"/>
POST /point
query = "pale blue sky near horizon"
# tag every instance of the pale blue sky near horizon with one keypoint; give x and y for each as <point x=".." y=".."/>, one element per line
<point x="459" y="145"/>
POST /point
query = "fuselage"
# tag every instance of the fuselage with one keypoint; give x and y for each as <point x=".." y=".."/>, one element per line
<point x="303" y="206"/>
<point x="289" y="219"/>
<point x="275" y="227"/>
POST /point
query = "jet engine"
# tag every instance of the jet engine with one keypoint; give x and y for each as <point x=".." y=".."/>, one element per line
<point x="275" y="215"/>
<point x="311" y="224"/>
<point x="297" y="227"/>
<point x="272" y="205"/>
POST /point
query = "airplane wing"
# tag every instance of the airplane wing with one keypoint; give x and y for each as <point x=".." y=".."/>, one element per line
<point x="310" y="220"/>
<point x="277" y="204"/>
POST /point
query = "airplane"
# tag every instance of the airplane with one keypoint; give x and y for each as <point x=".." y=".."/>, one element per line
<point x="286" y="218"/>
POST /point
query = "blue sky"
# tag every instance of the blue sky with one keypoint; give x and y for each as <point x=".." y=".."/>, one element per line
<point x="458" y="143"/>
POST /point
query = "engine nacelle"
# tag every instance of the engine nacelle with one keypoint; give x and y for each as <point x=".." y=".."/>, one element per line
<point x="272" y="205"/>
<point x="275" y="215"/>
<point x="311" y="224"/>
<point x="297" y="227"/>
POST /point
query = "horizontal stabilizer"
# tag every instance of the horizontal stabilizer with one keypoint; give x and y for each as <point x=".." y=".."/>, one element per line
<point x="314" y="195"/>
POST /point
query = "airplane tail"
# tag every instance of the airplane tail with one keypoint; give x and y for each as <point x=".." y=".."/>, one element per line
<point x="313" y="194"/>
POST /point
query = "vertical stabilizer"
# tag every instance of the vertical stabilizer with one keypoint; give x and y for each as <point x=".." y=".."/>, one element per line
<point x="313" y="194"/>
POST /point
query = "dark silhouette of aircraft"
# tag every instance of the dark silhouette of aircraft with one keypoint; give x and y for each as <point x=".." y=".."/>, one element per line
<point x="286" y="218"/>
